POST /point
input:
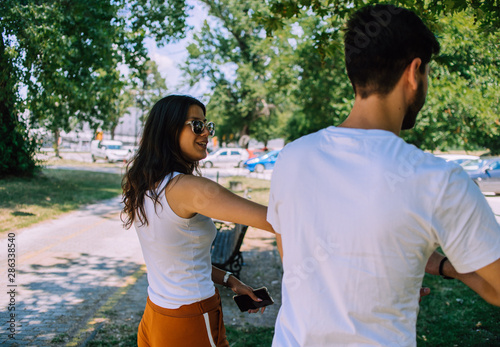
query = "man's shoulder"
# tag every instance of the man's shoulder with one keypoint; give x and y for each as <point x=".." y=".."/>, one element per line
<point x="305" y="141"/>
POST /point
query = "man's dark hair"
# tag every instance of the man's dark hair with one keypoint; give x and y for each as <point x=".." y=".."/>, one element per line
<point x="380" y="42"/>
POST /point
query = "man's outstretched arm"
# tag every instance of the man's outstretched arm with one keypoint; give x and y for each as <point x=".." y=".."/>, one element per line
<point x="485" y="281"/>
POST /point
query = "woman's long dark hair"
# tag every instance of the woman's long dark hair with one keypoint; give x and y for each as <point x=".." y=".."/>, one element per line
<point x="159" y="154"/>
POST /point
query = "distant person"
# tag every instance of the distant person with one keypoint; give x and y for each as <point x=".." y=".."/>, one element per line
<point x="171" y="207"/>
<point x="359" y="213"/>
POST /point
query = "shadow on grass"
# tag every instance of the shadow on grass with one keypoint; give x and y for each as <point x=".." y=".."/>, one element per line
<point x="21" y="214"/>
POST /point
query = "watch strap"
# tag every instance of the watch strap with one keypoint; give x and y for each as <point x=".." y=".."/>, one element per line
<point x="226" y="278"/>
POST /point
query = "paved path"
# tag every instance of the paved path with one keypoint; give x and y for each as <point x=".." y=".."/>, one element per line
<point x="66" y="270"/>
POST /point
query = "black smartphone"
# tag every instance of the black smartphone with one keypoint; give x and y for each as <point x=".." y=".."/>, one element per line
<point x="245" y="303"/>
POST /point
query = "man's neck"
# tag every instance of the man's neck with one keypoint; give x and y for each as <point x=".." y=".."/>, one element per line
<point x="377" y="112"/>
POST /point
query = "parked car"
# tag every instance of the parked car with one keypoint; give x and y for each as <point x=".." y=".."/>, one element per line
<point x="225" y="157"/>
<point x="257" y="152"/>
<point x="109" y="150"/>
<point x="264" y="162"/>
<point x="485" y="172"/>
<point x="458" y="158"/>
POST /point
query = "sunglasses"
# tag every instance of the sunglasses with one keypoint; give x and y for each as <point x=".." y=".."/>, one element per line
<point x="199" y="126"/>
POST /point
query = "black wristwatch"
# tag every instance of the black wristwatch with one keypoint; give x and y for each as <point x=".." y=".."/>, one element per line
<point x="441" y="269"/>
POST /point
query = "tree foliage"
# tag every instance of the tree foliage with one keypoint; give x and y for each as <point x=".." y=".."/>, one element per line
<point x="301" y="66"/>
<point x="274" y="68"/>
<point x="148" y="87"/>
<point x="484" y="13"/>
<point x="66" y="54"/>
<point x="233" y="54"/>
<point x="16" y="149"/>
<point x="463" y="104"/>
<point x="322" y="93"/>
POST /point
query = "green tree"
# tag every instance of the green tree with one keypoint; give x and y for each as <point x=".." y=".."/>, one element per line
<point x="233" y="54"/>
<point x="298" y="73"/>
<point x="16" y="148"/>
<point x="463" y="105"/>
<point x="321" y="92"/>
<point x="66" y="53"/>
<point x="120" y="107"/>
<point x="485" y="13"/>
<point x="149" y="87"/>
<point x="463" y="102"/>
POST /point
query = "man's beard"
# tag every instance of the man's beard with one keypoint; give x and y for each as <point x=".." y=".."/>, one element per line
<point x="411" y="113"/>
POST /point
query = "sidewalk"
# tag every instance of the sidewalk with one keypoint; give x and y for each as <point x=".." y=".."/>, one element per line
<point x="65" y="271"/>
<point x="83" y="273"/>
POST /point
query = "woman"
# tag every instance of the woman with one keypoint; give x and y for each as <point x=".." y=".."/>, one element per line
<point x="172" y="208"/>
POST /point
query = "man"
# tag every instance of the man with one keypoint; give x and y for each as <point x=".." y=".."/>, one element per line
<point x="359" y="213"/>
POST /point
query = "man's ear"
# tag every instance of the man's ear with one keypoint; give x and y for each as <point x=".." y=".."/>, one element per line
<point x="413" y="72"/>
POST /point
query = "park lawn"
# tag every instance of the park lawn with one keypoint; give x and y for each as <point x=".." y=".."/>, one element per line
<point x="126" y="335"/>
<point x="26" y="201"/>
<point x="52" y="161"/>
<point x="454" y="315"/>
<point x="257" y="189"/>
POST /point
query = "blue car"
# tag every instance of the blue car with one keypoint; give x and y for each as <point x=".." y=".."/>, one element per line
<point x="264" y="162"/>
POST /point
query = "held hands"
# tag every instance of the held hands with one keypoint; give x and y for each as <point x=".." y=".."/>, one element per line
<point x="424" y="291"/>
<point x="240" y="288"/>
<point x="436" y="265"/>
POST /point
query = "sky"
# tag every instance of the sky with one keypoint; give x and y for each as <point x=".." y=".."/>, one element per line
<point x="171" y="55"/>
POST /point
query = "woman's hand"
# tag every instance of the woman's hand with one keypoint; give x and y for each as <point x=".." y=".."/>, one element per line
<point x="241" y="288"/>
<point x="424" y="291"/>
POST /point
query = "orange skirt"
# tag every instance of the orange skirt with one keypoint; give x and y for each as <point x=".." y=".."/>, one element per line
<point x="199" y="324"/>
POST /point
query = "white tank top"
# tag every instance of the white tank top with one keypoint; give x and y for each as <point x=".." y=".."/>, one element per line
<point x="177" y="253"/>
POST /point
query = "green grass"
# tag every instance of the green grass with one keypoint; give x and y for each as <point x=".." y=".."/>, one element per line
<point x="126" y="335"/>
<point x="259" y="189"/>
<point x="249" y="336"/>
<point x="453" y="315"/>
<point x="26" y="201"/>
<point x="52" y="161"/>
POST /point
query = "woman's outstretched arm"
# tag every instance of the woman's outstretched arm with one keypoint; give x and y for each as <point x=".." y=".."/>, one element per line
<point x="188" y="195"/>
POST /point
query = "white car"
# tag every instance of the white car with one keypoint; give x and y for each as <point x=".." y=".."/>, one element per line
<point x="232" y="157"/>
<point x="109" y="150"/>
<point x="458" y="158"/>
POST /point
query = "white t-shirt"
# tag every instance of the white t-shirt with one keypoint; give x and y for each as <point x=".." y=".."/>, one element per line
<point x="360" y="212"/>
<point x="177" y="254"/>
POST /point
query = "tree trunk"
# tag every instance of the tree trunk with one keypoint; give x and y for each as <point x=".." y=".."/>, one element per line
<point x="56" y="142"/>
<point x="112" y="131"/>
